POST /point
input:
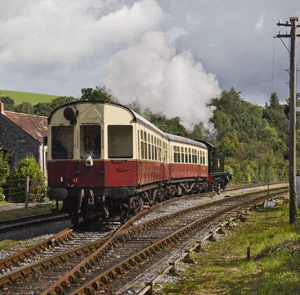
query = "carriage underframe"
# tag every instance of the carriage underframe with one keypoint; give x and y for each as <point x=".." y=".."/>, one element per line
<point x="127" y="201"/>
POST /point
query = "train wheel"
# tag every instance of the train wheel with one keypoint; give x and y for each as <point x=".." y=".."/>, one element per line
<point x="74" y="217"/>
<point x="124" y="213"/>
<point x="123" y="217"/>
<point x="74" y="211"/>
<point x="105" y="212"/>
<point x="86" y="214"/>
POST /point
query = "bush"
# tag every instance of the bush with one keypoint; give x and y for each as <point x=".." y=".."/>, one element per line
<point x="1" y="194"/>
<point x="27" y="167"/>
<point x="4" y="167"/>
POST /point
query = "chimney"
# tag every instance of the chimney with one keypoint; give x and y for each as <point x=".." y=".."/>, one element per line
<point x="1" y="107"/>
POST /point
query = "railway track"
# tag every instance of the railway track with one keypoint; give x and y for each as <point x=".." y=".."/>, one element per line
<point x="70" y="241"/>
<point x="110" y="256"/>
<point x="13" y="224"/>
<point x="33" y="220"/>
<point x="250" y="185"/>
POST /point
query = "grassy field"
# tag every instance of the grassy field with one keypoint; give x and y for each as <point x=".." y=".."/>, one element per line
<point x="33" y="98"/>
<point x="19" y="213"/>
<point x="222" y="267"/>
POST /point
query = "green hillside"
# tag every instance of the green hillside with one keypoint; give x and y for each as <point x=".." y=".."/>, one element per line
<point x="33" y="98"/>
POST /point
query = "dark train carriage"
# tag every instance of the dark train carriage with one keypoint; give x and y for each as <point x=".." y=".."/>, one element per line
<point x="217" y="178"/>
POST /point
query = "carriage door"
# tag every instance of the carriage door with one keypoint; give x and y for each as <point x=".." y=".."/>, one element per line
<point x="160" y="157"/>
<point x="139" y="157"/>
<point x="165" y="164"/>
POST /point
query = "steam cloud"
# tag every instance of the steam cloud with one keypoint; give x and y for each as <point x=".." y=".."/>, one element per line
<point x="151" y="73"/>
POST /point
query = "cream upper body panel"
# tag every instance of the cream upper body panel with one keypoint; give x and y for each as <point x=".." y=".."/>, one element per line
<point x="104" y="115"/>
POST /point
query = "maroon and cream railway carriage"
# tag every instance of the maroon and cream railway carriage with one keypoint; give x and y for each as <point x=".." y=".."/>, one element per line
<point x="104" y="158"/>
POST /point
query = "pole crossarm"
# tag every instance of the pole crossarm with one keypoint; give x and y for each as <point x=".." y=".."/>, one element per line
<point x="286" y="25"/>
<point x="286" y="36"/>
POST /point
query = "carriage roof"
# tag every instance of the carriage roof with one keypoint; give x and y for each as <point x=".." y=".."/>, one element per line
<point x="136" y="118"/>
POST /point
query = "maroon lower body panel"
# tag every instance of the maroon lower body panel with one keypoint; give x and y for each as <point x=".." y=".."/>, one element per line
<point x="118" y="173"/>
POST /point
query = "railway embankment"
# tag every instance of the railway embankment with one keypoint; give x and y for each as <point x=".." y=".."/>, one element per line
<point x="258" y="256"/>
<point x="14" y="206"/>
<point x="130" y="235"/>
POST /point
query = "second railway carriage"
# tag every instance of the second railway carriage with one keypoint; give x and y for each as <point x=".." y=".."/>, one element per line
<point x="104" y="158"/>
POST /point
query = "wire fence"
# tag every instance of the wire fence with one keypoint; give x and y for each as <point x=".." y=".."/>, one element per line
<point x="25" y="190"/>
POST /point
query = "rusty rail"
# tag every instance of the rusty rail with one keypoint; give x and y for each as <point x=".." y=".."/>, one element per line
<point x="16" y="259"/>
<point x="123" y="266"/>
<point x="66" y="281"/>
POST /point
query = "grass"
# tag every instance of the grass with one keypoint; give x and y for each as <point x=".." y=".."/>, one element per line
<point x="19" y="213"/>
<point x="8" y="244"/>
<point x="33" y="98"/>
<point x="19" y="245"/>
<point x="222" y="268"/>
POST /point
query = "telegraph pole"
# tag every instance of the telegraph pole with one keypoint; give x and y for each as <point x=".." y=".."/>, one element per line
<point x="292" y="155"/>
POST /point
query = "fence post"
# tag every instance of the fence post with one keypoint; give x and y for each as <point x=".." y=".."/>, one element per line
<point x="27" y="192"/>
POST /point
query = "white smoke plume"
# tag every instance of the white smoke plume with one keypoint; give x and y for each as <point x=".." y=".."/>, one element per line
<point x="151" y="73"/>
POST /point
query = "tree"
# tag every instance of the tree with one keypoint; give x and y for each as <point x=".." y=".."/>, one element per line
<point x="198" y="132"/>
<point x="96" y="94"/>
<point x="9" y="103"/>
<point x="4" y="167"/>
<point x="233" y="114"/>
<point x="43" y="109"/>
<point x="57" y="102"/>
<point x="4" y="172"/>
<point x="230" y="145"/>
<point x="28" y="167"/>
<point x="172" y="126"/>
<point x="25" y="108"/>
<point x="270" y="137"/>
<point x="274" y="101"/>
<point x="46" y="108"/>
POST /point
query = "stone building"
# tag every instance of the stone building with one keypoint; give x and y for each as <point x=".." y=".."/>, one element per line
<point x="22" y="134"/>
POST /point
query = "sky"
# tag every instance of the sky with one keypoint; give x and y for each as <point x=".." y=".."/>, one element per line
<point x="170" y="56"/>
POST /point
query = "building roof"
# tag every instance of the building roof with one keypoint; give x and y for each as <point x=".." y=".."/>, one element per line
<point x="36" y="126"/>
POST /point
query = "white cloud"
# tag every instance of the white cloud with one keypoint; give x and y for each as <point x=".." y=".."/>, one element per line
<point x="60" y="46"/>
<point x="63" y="30"/>
<point x="259" y="26"/>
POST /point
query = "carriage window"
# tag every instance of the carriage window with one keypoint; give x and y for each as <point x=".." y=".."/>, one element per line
<point x="90" y="141"/>
<point x="194" y="156"/>
<point x="186" y="156"/>
<point x="120" y="141"/>
<point x="62" y="142"/>
<point x="176" y="154"/>
<point x="145" y="146"/>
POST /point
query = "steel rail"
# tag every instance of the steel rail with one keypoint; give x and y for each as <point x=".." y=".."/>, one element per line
<point x="113" y="272"/>
<point x="16" y="259"/>
<point x="143" y="213"/>
<point x="252" y="185"/>
<point x="68" y="279"/>
<point x="56" y="240"/>
<point x="30" y="220"/>
<point x="29" y="270"/>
